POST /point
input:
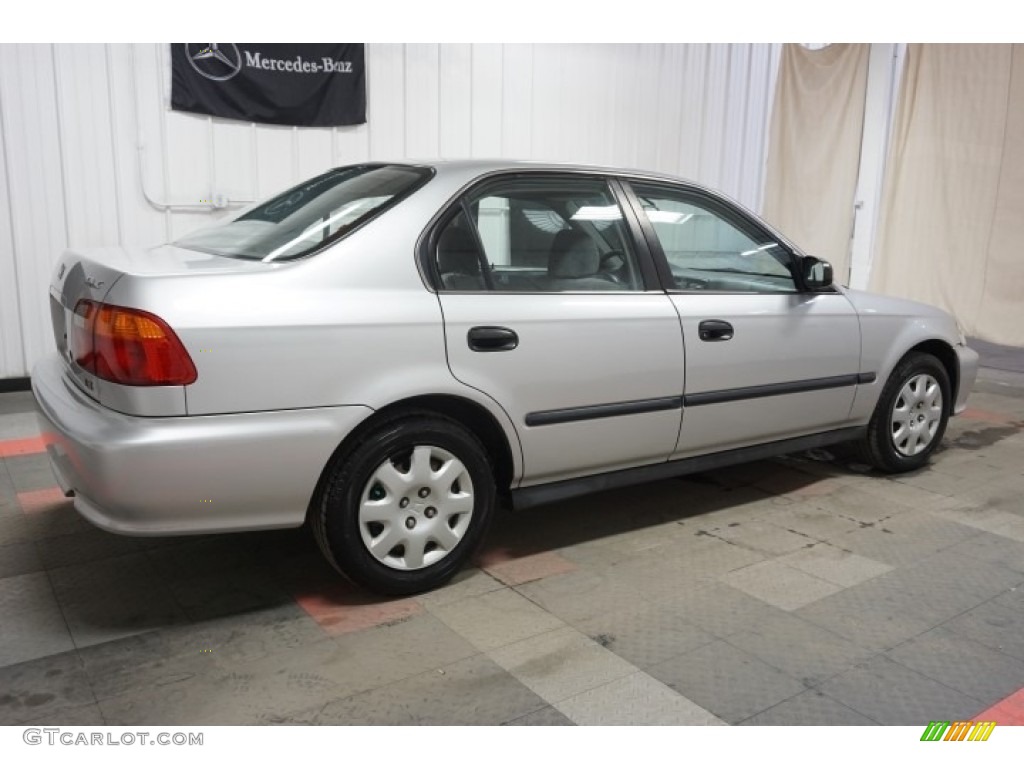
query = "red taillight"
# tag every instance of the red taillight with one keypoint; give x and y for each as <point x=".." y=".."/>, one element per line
<point x="128" y="346"/>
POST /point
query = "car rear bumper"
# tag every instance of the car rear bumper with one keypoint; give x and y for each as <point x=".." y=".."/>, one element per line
<point x="188" y="474"/>
<point x="968" y="361"/>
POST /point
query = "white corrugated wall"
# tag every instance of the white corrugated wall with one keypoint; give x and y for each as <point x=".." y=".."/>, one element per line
<point x="90" y="154"/>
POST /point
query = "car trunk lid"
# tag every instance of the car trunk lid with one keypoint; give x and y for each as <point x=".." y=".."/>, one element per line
<point x="89" y="275"/>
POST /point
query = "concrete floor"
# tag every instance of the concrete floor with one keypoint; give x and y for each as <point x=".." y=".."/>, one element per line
<point x="802" y="590"/>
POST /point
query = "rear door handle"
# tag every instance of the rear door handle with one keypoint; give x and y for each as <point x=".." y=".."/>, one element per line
<point x="714" y="330"/>
<point x="489" y="338"/>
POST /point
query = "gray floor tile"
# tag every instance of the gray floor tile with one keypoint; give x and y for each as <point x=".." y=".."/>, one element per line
<point x="934" y="480"/>
<point x="637" y="699"/>
<point x="645" y="635"/>
<point x="209" y="649"/>
<point x="226" y="593"/>
<point x="664" y="572"/>
<point x="17" y="402"/>
<point x="728" y="682"/>
<point x="944" y="585"/>
<point x="496" y="618"/>
<point x="8" y="496"/>
<point x="545" y="716"/>
<point x="893" y="694"/>
<point x="292" y="685"/>
<point x="891" y="495"/>
<point x="799" y="648"/>
<point x="108" y="599"/>
<point x="904" y="540"/>
<point x="85" y="715"/>
<point x="1004" y="492"/>
<point x="835" y="565"/>
<point x="861" y="504"/>
<point x="20" y="527"/>
<point x="994" y="549"/>
<point x="39" y="688"/>
<point x="874" y="616"/>
<point x="578" y="595"/>
<point x="779" y="585"/>
<point x="32" y="625"/>
<point x="809" y="708"/>
<point x="16" y="426"/>
<point x="19" y="557"/>
<point x="963" y="664"/>
<point x="762" y="536"/>
<point x="30" y="472"/>
<point x="470" y="582"/>
<point x="811" y="521"/>
<point x="998" y="624"/>
<point x="475" y="691"/>
<point x="83" y="546"/>
<point x="561" y="663"/>
<point x="226" y="697"/>
<point x="203" y="555"/>
<point x="720" y="609"/>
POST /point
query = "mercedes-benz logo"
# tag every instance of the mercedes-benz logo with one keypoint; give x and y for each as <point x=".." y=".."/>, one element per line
<point x="214" y="61"/>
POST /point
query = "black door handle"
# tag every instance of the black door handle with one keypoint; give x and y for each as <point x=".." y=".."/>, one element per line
<point x="489" y="338"/>
<point x="714" y="330"/>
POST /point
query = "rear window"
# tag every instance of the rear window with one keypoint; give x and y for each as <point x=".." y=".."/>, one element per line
<point x="306" y="217"/>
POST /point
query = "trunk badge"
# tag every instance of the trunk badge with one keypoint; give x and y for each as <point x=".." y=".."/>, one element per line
<point x="60" y="272"/>
<point x="92" y="282"/>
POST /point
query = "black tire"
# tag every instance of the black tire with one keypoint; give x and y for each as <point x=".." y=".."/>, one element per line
<point x="335" y="515"/>
<point x="877" y="447"/>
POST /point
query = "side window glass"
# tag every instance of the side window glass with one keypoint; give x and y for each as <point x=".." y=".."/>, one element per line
<point x="708" y="248"/>
<point x="458" y="257"/>
<point x="541" y="235"/>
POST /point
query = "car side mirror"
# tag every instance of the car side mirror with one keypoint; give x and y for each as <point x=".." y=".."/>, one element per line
<point x="817" y="272"/>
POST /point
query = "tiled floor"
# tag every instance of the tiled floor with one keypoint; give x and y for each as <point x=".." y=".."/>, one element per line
<point x="803" y="590"/>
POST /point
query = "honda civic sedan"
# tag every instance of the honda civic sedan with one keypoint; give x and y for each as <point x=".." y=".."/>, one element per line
<point x="389" y="351"/>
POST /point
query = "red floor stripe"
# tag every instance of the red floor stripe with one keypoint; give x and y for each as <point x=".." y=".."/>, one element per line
<point x="513" y="570"/>
<point x="21" y="447"/>
<point x="336" y="604"/>
<point x="1009" y="711"/>
<point x="33" y="502"/>
<point x="989" y="417"/>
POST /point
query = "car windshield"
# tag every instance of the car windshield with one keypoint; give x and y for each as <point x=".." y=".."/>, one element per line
<point x="308" y="216"/>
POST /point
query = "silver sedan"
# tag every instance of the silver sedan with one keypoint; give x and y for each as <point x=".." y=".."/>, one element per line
<point x="388" y="350"/>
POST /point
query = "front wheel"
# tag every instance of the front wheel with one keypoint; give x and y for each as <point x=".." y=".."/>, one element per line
<point x="911" y="415"/>
<point x="403" y="509"/>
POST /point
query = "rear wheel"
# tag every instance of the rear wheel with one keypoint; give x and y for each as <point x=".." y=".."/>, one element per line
<point x="911" y="415"/>
<point x="405" y="507"/>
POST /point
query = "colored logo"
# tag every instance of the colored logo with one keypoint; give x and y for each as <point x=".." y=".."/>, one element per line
<point x="961" y="730"/>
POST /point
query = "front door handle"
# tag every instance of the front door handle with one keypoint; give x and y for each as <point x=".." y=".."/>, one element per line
<point x="489" y="338"/>
<point x="714" y="330"/>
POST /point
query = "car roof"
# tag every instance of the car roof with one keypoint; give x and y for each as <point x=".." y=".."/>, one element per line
<point x="471" y="167"/>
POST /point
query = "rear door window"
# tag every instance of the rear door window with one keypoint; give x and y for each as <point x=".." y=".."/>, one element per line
<point x="544" y="235"/>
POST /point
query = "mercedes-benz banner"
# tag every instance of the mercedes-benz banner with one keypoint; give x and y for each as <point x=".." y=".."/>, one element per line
<point x="313" y="84"/>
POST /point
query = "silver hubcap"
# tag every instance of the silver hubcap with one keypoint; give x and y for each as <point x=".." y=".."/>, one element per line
<point x="916" y="415"/>
<point x="416" y="508"/>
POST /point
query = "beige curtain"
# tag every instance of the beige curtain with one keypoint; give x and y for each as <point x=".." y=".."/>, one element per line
<point x="814" y="148"/>
<point x="952" y="228"/>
